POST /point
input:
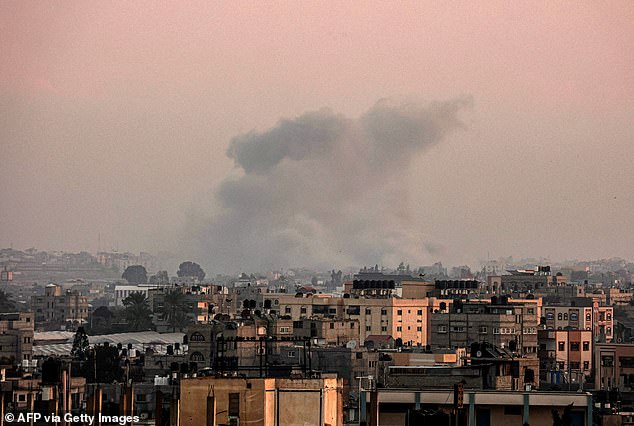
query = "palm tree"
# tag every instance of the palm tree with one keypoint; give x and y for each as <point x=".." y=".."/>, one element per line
<point x="175" y="309"/>
<point x="137" y="311"/>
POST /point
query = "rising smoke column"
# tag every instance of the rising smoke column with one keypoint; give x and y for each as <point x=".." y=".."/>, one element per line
<point x="324" y="189"/>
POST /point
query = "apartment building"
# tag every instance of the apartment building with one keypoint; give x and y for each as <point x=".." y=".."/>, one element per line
<point x="583" y="314"/>
<point x="614" y="366"/>
<point x="565" y="355"/>
<point x="16" y="338"/>
<point x="405" y="319"/>
<point x="57" y="308"/>
<point x="502" y="322"/>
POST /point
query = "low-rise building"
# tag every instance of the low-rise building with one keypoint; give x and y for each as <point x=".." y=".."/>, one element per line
<point x="262" y="401"/>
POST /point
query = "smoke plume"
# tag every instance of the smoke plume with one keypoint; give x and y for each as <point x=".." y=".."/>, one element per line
<point x="323" y="189"/>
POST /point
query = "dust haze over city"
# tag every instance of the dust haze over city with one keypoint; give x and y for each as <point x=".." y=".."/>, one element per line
<point x="257" y="136"/>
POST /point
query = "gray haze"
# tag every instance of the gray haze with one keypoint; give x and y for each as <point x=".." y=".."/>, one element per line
<point x="324" y="189"/>
<point x="116" y="120"/>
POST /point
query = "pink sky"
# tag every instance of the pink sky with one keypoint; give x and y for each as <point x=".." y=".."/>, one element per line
<point x="116" y="116"/>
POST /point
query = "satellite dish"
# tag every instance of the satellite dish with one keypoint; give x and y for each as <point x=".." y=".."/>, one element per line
<point x="352" y="344"/>
<point x="479" y="354"/>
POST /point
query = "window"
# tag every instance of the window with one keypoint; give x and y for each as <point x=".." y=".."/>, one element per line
<point x="399" y="328"/>
<point x="303" y="310"/>
<point x="419" y="328"/>
<point x="609" y="316"/>
<point x="383" y="311"/>
<point x="586" y="365"/>
<point x="559" y="316"/>
<point x="332" y="325"/>
<point x="368" y="311"/>
<point x="588" y="317"/>
<point x="574" y="365"/>
<point x="550" y="316"/>
<point x="562" y="346"/>
<point x="496" y="330"/>
<point x="574" y="346"/>
<point x="608" y="331"/>
<point x="420" y="312"/>
<point x="285" y="329"/>
<point x="442" y="328"/>
<point x="197" y="337"/>
<point x="399" y="312"/>
<point x="234" y="404"/>
<point x="586" y="346"/>
<point x="197" y="356"/>
<point x="287" y="309"/>
<point x="482" y="329"/>
<point x="292" y="354"/>
<point x="368" y="328"/>
<point x="383" y="328"/>
<point x="607" y="361"/>
<point x="332" y="310"/>
<point x="530" y="311"/>
<point x="574" y="316"/>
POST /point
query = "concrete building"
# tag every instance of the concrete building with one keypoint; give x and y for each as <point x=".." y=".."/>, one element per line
<point x="481" y="407"/>
<point x="16" y="338"/>
<point x="584" y="314"/>
<point x="405" y="319"/>
<point x="57" y="308"/>
<point x="265" y="402"/>
<point x="328" y="331"/>
<point x="503" y="323"/>
<point x="614" y="366"/>
<point x="565" y="355"/>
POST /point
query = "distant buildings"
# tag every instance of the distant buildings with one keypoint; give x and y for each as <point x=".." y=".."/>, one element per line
<point x="58" y="309"/>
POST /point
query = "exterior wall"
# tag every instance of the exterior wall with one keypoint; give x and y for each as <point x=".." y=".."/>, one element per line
<point x="614" y="366"/>
<point x="263" y="401"/>
<point x="495" y="324"/>
<point x="375" y="315"/>
<point x="16" y="336"/>
<point x="599" y="319"/>
<point x="569" y="351"/>
<point x="57" y="308"/>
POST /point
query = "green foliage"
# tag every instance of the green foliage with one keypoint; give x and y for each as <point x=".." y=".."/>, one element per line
<point x="135" y="274"/>
<point x="103" y="365"/>
<point x="191" y="269"/>
<point x="137" y="312"/>
<point x="175" y="309"/>
<point x="161" y="278"/>
<point x="80" y="345"/>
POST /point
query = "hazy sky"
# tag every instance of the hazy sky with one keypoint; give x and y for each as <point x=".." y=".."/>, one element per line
<point x="273" y="134"/>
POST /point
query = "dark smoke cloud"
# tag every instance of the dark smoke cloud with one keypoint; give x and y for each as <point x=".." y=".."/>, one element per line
<point x="323" y="189"/>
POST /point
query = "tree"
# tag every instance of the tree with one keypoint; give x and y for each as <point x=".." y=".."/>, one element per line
<point x="161" y="278"/>
<point x="80" y="345"/>
<point x="135" y="274"/>
<point x="191" y="269"/>
<point x="103" y="365"/>
<point x="6" y="304"/>
<point x="101" y="321"/>
<point x="175" y="309"/>
<point x="137" y="311"/>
